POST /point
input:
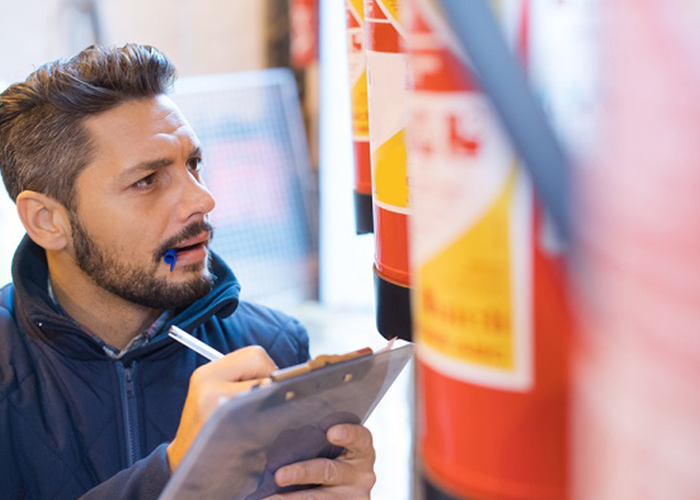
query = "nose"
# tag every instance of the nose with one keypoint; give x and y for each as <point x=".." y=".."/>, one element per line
<point x="196" y="201"/>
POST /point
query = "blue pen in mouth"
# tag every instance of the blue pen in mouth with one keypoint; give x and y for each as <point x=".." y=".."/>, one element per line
<point x="170" y="258"/>
<point x="191" y="250"/>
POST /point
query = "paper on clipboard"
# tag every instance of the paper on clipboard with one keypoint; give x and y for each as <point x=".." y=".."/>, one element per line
<point x="252" y="435"/>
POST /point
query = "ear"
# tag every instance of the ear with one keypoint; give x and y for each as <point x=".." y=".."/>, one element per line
<point x="45" y="219"/>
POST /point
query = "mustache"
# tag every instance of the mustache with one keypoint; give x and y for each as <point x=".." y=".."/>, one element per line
<point x="194" y="229"/>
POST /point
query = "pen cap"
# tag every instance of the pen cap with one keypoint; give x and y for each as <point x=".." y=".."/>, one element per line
<point x="170" y="258"/>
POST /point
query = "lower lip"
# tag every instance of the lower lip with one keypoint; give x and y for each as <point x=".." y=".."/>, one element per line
<point x="196" y="254"/>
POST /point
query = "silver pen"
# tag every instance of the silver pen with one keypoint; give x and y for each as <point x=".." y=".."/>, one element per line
<point x="195" y="344"/>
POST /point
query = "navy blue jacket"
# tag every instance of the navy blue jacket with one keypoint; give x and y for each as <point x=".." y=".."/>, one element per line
<point x="72" y="418"/>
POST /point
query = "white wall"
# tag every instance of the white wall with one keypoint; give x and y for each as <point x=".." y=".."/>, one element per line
<point x="200" y="36"/>
<point x="346" y="259"/>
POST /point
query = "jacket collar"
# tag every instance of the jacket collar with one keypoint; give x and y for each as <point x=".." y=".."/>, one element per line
<point x="40" y="317"/>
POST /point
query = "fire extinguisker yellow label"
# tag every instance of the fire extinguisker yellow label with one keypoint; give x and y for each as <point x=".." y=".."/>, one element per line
<point x="466" y="292"/>
<point x="471" y="243"/>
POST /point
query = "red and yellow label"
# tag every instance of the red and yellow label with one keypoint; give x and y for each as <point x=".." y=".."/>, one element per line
<point x="388" y="92"/>
<point x="357" y="65"/>
<point x="471" y="225"/>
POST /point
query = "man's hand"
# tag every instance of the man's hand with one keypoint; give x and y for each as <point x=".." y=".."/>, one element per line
<point x="350" y="476"/>
<point x="224" y="378"/>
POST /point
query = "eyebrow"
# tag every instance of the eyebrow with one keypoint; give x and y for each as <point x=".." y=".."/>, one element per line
<point x="150" y="165"/>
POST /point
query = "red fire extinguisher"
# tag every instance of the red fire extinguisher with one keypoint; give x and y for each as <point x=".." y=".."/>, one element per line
<point x="636" y="362"/>
<point x="490" y="308"/>
<point x="388" y="86"/>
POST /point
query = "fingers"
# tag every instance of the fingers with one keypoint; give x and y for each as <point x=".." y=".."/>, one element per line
<point x="318" y="471"/>
<point x="212" y="383"/>
<point x="353" y="470"/>
<point x="356" y="439"/>
<point x="202" y="399"/>
<point x="212" y="395"/>
<point x="248" y="363"/>
<point x="338" y="479"/>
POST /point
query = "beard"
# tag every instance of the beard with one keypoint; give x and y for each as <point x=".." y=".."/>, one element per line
<point x="141" y="285"/>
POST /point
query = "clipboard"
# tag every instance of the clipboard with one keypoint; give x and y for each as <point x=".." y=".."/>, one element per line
<point x="252" y="435"/>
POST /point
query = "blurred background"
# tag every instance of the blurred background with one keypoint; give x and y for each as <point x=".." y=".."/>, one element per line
<point x="512" y="185"/>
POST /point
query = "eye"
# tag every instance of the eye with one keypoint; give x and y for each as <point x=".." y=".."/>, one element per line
<point x="146" y="182"/>
<point x="194" y="164"/>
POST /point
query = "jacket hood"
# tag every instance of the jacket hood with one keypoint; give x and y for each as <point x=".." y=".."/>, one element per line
<point x="40" y="316"/>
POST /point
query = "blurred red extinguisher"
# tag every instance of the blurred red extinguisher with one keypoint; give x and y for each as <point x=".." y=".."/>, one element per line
<point x="304" y="32"/>
<point x="636" y="403"/>
<point x="357" y="66"/>
<point x="490" y="307"/>
<point x="304" y="37"/>
<point x="388" y="86"/>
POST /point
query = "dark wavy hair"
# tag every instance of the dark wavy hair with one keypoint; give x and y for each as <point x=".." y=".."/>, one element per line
<point x="44" y="144"/>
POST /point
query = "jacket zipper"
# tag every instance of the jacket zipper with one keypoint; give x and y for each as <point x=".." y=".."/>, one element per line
<point x="129" y="411"/>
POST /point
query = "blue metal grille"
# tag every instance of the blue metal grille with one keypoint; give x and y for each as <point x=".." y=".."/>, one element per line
<point x="257" y="167"/>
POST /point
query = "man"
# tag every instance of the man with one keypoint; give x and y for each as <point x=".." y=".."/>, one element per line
<point x="95" y="399"/>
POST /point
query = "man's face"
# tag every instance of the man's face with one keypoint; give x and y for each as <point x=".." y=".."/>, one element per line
<point x="140" y="196"/>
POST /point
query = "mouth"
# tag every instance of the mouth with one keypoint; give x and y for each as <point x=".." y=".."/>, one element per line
<point x="195" y="243"/>
<point x="193" y="250"/>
